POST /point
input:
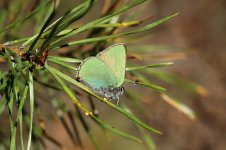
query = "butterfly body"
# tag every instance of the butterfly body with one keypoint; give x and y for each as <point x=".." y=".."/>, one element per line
<point x="110" y="93"/>
<point x="104" y="74"/>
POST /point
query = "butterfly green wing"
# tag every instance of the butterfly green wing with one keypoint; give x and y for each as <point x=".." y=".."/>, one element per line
<point x="115" y="58"/>
<point x="96" y="74"/>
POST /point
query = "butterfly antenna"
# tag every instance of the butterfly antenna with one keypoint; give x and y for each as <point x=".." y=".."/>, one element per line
<point x="125" y="85"/>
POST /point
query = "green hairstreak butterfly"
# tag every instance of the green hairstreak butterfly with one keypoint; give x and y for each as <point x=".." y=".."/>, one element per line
<point x="105" y="73"/>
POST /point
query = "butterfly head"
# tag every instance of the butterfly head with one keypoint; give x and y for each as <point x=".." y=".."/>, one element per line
<point x="121" y="90"/>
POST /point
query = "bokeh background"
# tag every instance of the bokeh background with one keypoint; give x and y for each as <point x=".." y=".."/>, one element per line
<point x="198" y="34"/>
<point x="200" y="27"/>
<point x="199" y="31"/>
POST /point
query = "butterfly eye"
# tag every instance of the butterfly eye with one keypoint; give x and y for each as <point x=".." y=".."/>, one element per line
<point x="122" y="89"/>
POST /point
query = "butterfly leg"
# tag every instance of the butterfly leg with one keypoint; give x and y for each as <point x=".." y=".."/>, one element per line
<point x="117" y="100"/>
<point x="78" y="79"/>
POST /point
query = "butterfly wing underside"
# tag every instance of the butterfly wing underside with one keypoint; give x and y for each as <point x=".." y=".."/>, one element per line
<point x="96" y="74"/>
<point x="115" y="58"/>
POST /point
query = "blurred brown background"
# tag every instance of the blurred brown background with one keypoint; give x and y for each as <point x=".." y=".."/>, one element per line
<point x="200" y="27"/>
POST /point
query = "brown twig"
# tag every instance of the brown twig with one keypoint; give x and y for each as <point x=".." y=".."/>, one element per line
<point x="26" y="56"/>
